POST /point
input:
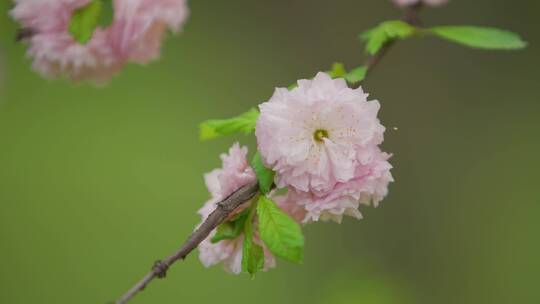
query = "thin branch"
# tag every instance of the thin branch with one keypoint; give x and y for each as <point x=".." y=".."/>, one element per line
<point x="224" y="208"/>
<point x="24" y="34"/>
<point x="237" y="198"/>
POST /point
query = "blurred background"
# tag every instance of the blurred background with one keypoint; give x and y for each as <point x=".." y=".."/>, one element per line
<point x="97" y="183"/>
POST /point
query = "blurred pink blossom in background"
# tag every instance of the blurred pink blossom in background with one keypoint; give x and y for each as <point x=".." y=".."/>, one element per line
<point x="135" y="35"/>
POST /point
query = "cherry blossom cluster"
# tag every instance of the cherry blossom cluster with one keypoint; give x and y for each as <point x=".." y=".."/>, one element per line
<point x="135" y="35"/>
<point x="318" y="155"/>
<point x="322" y="141"/>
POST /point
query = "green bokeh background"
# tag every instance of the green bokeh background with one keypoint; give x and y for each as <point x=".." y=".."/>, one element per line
<point x="97" y="183"/>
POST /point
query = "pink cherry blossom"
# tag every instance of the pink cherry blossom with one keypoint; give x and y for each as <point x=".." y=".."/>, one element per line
<point x="310" y="135"/>
<point x="140" y="25"/>
<point x="229" y="252"/>
<point x="222" y="182"/>
<point x="426" y="2"/>
<point x="234" y="174"/>
<point x="369" y="186"/>
<point x="322" y="140"/>
<point x="135" y="35"/>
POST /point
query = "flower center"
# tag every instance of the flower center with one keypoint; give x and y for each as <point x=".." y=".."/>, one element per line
<point x="319" y="134"/>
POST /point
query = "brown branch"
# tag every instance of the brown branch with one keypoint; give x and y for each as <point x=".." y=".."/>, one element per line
<point x="237" y="198"/>
<point x="24" y="34"/>
<point x="224" y="208"/>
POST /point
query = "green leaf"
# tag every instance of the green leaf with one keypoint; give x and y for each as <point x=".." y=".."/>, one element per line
<point x="356" y="75"/>
<point x="252" y="253"/>
<point x="244" y="123"/>
<point x="107" y="13"/>
<point x="292" y="86"/>
<point x="338" y="70"/>
<point x="232" y="228"/>
<point x="480" y="37"/>
<point x="385" y="32"/>
<point x="84" y="21"/>
<point x="280" y="233"/>
<point x="264" y="175"/>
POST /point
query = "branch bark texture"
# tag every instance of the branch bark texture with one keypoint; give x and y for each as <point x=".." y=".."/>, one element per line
<point x="224" y="208"/>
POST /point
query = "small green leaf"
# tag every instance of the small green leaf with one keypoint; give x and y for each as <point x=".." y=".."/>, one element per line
<point x="244" y="123"/>
<point x="252" y="253"/>
<point x="264" y="175"/>
<point x="292" y="86"/>
<point x="385" y="32"/>
<point x="107" y="13"/>
<point x="338" y="70"/>
<point x="356" y="75"/>
<point x="84" y="21"/>
<point x="480" y="37"/>
<point x="232" y="228"/>
<point x="280" y="233"/>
